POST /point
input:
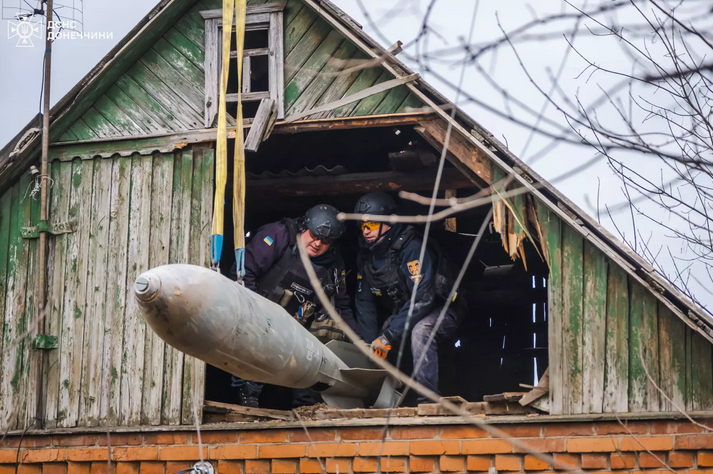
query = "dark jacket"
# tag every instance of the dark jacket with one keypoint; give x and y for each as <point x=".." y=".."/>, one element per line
<point x="377" y="300"/>
<point x="266" y="248"/>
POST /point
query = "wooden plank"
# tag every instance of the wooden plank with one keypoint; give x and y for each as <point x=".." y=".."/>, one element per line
<point x="303" y="50"/>
<point x="392" y="101"/>
<point x="59" y="212"/>
<point x="212" y="73"/>
<point x="179" y="253"/>
<point x="99" y="124"/>
<point x="275" y="62"/>
<point x="177" y="74"/>
<point x="159" y="244"/>
<point x="699" y="373"/>
<point x="68" y="136"/>
<point x="218" y="407"/>
<point x="672" y="346"/>
<point x="410" y="104"/>
<point x="82" y="130"/>
<point x="368" y="105"/>
<point x="116" y="290"/>
<point x="594" y="329"/>
<point x="292" y="9"/>
<point x="616" y="376"/>
<point x="120" y="120"/>
<point x="5" y="226"/>
<point x="245" y="83"/>
<point x="95" y="305"/>
<point x="265" y="112"/>
<point x="134" y="324"/>
<point x="148" y="105"/>
<point x="338" y="88"/>
<point x="135" y="112"/>
<point x="296" y="29"/>
<point x="572" y="300"/>
<point x="193" y="31"/>
<point x="187" y="48"/>
<point x="643" y="349"/>
<point x="552" y="248"/>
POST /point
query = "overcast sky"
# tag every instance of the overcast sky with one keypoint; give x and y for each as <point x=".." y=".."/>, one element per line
<point x="393" y="20"/>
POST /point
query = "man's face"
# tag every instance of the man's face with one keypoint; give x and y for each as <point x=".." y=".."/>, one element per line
<point x="370" y="231"/>
<point x="314" y="246"/>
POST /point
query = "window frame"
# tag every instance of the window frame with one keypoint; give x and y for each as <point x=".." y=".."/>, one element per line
<point x="268" y="16"/>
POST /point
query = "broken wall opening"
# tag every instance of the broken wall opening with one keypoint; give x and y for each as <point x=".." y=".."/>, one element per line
<point x="501" y="344"/>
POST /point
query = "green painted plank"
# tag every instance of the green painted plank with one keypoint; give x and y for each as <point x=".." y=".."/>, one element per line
<point x="135" y="112"/>
<point x="211" y="4"/>
<point x="410" y="103"/>
<point x="101" y="126"/>
<point x="172" y="68"/>
<point x="292" y="9"/>
<point x="341" y="84"/>
<point x="616" y="375"/>
<point x="643" y="349"/>
<point x="699" y="371"/>
<point x="256" y="2"/>
<point x="594" y="328"/>
<point x="311" y="67"/>
<point x="5" y="217"/>
<point x="145" y="102"/>
<point x="295" y="31"/>
<point x="194" y="14"/>
<point x="190" y="50"/>
<point x="366" y="79"/>
<point x="672" y="346"/>
<point x="194" y="32"/>
<point x="303" y="50"/>
<point x="393" y="101"/>
<point x="191" y="75"/>
<point x="572" y="293"/>
<point x="368" y="105"/>
<point x="121" y="121"/>
<point x="82" y="131"/>
<point x="68" y="136"/>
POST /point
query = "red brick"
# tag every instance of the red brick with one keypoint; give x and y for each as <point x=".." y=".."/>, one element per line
<point x="694" y="442"/>
<point x="676" y="459"/>
<point x="148" y="467"/>
<point x="700" y="471"/>
<point x="594" y="461"/>
<point x="135" y="454"/>
<point x="422" y="464"/>
<point x="569" y="429"/>
<point x="78" y="467"/>
<point x="462" y="432"/>
<point x="452" y="463"/>
<point x="234" y="452"/>
<point x="361" y="433"/>
<point x="591" y="445"/>
<point x="99" y="468"/>
<point x="614" y="427"/>
<point x="181" y="453"/>
<point x="54" y="468"/>
<point x="88" y="454"/>
<point x="674" y="427"/>
<point x="218" y="437"/>
<point x="268" y="436"/>
<point x="46" y="455"/>
<point x="392" y="465"/>
<point x="229" y="467"/>
<point x="166" y="438"/>
<point x="431" y="448"/>
<point x="522" y="431"/>
<point x="326" y="450"/>
<point x="553" y="445"/>
<point x="173" y="467"/>
<point x="339" y="464"/>
<point x="486" y="446"/>
<point x="623" y="461"/>
<point x="644" y="443"/>
<point x="75" y="440"/>
<point x="508" y="462"/>
<point x="315" y="435"/>
<point x="563" y="462"/>
<point x="127" y="468"/>
<point x="284" y="466"/>
<point x="257" y="467"/>
<point x="414" y="432"/>
<point x="282" y="451"/>
<point x="310" y="466"/>
<point x="366" y="464"/>
<point x="8" y="456"/>
<point x="7" y="469"/>
<point x="29" y="468"/>
<point x="479" y="463"/>
<point x="533" y="463"/>
<point x="705" y="459"/>
<point x="393" y="448"/>
<point x="28" y="442"/>
<point x="648" y="461"/>
<point x="122" y="439"/>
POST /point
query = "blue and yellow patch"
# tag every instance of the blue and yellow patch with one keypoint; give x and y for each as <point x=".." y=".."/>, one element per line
<point x="268" y="240"/>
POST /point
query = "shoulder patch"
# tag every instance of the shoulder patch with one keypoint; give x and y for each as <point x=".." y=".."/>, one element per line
<point x="415" y="270"/>
<point x="268" y="240"/>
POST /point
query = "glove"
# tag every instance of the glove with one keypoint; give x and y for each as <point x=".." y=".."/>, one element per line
<point x="381" y="346"/>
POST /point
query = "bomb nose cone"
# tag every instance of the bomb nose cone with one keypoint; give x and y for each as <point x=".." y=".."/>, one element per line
<point x="147" y="286"/>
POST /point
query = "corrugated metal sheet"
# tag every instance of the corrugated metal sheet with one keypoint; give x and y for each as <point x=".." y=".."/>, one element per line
<point x="316" y="171"/>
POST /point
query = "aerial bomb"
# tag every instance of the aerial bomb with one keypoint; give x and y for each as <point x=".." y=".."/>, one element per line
<point x="214" y="319"/>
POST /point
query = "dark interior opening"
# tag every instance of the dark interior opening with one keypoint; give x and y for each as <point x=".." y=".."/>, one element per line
<point x="503" y="341"/>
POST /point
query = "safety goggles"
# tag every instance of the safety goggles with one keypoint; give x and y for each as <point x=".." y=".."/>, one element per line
<point x="325" y="240"/>
<point x="371" y="226"/>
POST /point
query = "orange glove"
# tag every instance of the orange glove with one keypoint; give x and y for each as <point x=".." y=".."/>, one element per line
<point x="381" y="346"/>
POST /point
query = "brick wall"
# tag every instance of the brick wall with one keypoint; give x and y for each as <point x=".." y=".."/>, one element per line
<point x="596" y="446"/>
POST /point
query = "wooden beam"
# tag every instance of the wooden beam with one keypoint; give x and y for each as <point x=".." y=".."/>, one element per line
<point x="367" y="121"/>
<point x="266" y="112"/>
<point x="356" y="183"/>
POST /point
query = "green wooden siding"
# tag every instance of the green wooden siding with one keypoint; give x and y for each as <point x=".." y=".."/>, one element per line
<point x="135" y="212"/>
<point x="163" y="92"/>
<point x="611" y="342"/>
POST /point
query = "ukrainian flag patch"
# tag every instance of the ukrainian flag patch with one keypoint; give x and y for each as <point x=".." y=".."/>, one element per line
<point x="268" y="240"/>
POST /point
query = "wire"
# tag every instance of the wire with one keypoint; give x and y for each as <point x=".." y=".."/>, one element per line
<point x="19" y="445"/>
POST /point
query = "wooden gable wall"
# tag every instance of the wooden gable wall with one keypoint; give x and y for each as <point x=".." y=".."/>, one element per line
<point x="163" y="92"/>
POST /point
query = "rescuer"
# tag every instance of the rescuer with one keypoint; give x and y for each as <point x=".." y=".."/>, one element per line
<point x="273" y="269"/>
<point x="388" y="269"/>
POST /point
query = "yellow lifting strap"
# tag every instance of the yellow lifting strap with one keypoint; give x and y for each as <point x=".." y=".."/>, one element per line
<point x="239" y="159"/>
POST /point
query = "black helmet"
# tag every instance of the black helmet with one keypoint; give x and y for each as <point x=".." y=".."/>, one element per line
<point x="322" y="221"/>
<point x="377" y="204"/>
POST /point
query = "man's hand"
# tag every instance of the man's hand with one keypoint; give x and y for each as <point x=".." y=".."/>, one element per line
<point x="381" y="346"/>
